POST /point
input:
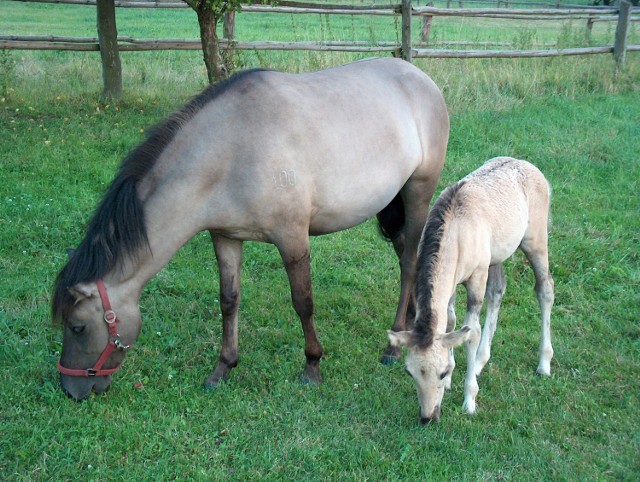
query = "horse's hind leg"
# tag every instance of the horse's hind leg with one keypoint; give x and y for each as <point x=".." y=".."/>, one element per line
<point x="229" y="256"/>
<point x="537" y="253"/>
<point x="496" y="286"/>
<point x="416" y="195"/>
<point x="295" y="254"/>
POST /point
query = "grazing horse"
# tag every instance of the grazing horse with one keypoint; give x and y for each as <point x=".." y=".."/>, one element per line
<point x="264" y="156"/>
<point x="474" y="226"/>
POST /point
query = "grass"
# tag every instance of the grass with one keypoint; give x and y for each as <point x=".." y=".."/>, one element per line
<point x="574" y="118"/>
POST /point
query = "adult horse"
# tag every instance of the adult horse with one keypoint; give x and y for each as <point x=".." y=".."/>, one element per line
<point x="264" y="156"/>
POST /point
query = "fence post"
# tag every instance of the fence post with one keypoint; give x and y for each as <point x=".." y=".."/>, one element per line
<point x="109" y="51"/>
<point x="406" y="30"/>
<point x="587" y="34"/>
<point x="427" y="20"/>
<point x="620" y="46"/>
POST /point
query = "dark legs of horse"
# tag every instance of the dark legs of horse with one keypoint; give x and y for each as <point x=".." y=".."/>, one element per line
<point x="537" y="254"/>
<point x="496" y="286"/>
<point x="415" y="197"/>
<point x="476" y="287"/>
<point x="297" y="261"/>
<point x="398" y="246"/>
<point x="229" y="256"/>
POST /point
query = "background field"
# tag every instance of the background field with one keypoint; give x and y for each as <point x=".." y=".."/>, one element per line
<point x="59" y="149"/>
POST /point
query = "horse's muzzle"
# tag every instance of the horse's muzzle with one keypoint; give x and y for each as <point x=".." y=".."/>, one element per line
<point x="80" y="388"/>
<point x="435" y="417"/>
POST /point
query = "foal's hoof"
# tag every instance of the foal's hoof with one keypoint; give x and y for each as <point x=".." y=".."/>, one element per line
<point x="544" y="372"/>
<point x="391" y="355"/>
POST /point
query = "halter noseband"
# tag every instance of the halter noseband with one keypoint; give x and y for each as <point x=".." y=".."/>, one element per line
<point x="111" y="319"/>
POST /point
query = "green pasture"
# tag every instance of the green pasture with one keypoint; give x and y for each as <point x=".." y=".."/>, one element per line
<point x="575" y="118"/>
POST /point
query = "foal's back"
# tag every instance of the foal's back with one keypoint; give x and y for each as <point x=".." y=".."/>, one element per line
<point x="507" y="202"/>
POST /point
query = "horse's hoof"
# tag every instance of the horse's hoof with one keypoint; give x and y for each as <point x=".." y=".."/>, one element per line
<point x="388" y="360"/>
<point x="390" y="356"/>
<point x="543" y="372"/>
<point x="209" y="386"/>
<point x="311" y="377"/>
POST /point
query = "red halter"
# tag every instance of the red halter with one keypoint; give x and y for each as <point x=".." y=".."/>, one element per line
<point x="111" y="319"/>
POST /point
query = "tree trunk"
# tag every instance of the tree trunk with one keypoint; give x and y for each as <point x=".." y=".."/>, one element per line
<point x="109" y="52"/>
<point x="216" y="69"/>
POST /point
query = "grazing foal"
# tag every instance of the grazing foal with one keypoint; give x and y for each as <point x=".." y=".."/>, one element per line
<point x="474" y="226"/>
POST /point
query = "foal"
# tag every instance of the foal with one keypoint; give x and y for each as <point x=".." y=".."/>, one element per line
<point x="475" y="225"/>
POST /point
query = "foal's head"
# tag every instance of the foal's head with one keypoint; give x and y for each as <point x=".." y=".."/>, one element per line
<point x="430" y="367"/>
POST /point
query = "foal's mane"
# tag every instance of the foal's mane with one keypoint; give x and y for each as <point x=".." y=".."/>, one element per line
<point x="428" y="257"/>
<point x="117" y="229"/>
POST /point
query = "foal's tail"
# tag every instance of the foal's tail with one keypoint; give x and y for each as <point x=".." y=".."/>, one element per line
<point x="391" y="219"/>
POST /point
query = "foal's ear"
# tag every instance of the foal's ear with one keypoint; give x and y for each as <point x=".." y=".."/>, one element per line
<point x="455" y="338"/>
<point x="399" y="338"/>
<point x="82" y="291"/>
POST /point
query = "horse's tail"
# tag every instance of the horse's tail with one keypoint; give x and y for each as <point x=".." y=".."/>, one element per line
<point x="391" y="219"/>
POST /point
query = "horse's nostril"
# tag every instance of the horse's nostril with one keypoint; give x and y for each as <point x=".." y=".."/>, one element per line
<point x="436" y="414"/>
<point x="77" y="395"/>
<point x="434" y="418"/>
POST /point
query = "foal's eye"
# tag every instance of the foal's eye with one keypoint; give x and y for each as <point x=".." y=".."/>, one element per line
<point x="444" y="375"/>
<point x="77" y="329"/>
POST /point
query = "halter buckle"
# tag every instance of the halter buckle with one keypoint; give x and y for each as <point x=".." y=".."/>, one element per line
<point x="119" y="345"/>
<point x="110" y="317"/>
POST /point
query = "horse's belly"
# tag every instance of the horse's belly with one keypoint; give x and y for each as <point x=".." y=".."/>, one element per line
<point x="348" y="204"/>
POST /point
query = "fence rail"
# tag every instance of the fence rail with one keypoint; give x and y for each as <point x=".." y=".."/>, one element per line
<point x="405" y="48"/>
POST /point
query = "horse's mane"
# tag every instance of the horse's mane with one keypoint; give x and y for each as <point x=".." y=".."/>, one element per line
<point x="428" y="254"/>
<point x="117" y="229"/>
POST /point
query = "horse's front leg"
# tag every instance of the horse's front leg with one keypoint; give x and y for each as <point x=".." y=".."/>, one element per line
<point x="496" y="286"/>
<point x="295" y="254"/>
<point x="416" y="195"/>
<point x="229" y="256"/>
<point x="451" y="325"/>
<point x="476" y="286"/>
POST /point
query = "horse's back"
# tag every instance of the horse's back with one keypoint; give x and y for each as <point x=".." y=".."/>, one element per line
<point x="505" y="198"/>
<point x="333" y="146"/>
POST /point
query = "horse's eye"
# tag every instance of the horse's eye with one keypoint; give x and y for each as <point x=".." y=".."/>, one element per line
<point x="77" y="329"/>
<point x="444" y="374"/>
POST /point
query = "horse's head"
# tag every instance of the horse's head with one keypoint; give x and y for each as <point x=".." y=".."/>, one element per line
<point x="430" y="367"/>
<point x="95" y="338"/>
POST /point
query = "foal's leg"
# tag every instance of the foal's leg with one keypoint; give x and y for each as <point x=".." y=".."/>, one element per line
<point x="475" y="286"/>
<point x="496" y="286"/>
<point x="451" y="325"/>
<point x="295" y="254"/>
<point x="537" y="253"/>
<point x="229" y="256"/>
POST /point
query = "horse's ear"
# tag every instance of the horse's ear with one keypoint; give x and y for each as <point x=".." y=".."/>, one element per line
<point x="82" y="291"/>
<point x="455" y="338"/>
<point x="70" y="252"/>
<point x="399" y="338"/>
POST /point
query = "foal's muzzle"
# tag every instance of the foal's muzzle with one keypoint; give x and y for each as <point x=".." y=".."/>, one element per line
<point x="435" y="416"/>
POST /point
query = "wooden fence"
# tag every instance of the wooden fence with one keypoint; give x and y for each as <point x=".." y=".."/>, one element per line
<point x="623" y="15"/>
